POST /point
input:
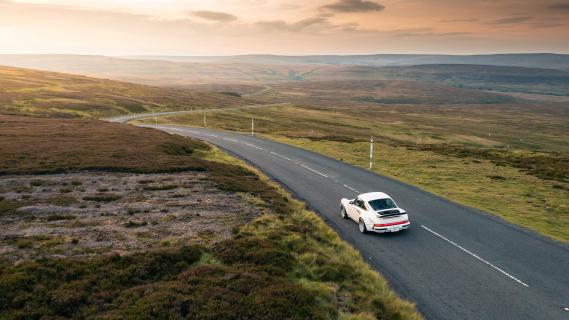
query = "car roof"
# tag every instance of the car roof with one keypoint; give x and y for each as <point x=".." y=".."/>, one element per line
<point x="373" y="196"/>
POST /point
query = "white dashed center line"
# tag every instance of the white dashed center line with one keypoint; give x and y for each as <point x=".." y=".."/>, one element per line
<point x="280" y="155"/>
<point x="253" y="146"/>
<point x="229" y="139"/>
<point x="320" y="173"/>
<point x="354" y="190"/>
<point x="475" y="256"/>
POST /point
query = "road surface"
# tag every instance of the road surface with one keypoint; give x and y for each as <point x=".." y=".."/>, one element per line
<point x="454" y="262"/>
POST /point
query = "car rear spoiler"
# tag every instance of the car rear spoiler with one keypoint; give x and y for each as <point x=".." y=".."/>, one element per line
<point x="389" y="213"/>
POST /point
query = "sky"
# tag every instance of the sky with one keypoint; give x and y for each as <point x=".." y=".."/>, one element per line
<point x="291" y="27"/>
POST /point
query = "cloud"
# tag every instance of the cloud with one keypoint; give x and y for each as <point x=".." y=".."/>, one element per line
<point x="354" y="6"/>
<point x="549" y="24"/>
<point x="459" y="20"/>
<point x="510" y="20"/>
<point x="563" y="6"/>
<point x="426" y="32"/>
<point x="214" y="16"/>
<point x="280" y="25"/>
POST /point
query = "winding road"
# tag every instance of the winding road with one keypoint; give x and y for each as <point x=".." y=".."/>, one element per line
<point x="454" y="262"/>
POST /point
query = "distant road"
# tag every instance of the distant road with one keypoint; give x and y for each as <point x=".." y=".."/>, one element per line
<point x="256" y="93"/>
<point x="454" y="262"/>
<point x="139" y="116"/>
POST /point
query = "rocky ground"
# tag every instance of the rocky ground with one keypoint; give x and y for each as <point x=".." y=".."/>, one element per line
<point x="82" y="214"/>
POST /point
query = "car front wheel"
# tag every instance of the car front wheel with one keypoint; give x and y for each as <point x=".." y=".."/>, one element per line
<point x="362" y="226"/>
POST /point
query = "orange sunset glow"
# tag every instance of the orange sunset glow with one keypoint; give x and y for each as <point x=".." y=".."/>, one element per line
<point x="225" y="27"/>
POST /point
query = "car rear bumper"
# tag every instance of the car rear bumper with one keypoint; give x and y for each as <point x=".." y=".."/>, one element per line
<point x="394" y="228"/>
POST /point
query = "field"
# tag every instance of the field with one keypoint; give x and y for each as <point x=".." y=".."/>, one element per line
<point x="48" y="94"/>
<point x="85" y="197"/>
<point x="468" y="146"/>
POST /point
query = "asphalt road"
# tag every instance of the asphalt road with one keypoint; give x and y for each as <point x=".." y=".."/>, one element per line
<point x="454" y="262"/>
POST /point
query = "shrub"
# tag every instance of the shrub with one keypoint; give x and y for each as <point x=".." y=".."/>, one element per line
<point x="134" y="224"/>
<point x="37" y="183"/>
<point x="103" y="197"/>
<point x="159" y="188"/>
<point x="57" y="217"/>
<point x="77" y="288"/>
<point x="175" y="149"/>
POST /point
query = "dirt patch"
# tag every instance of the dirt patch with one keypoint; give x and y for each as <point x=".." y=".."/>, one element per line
<point x="81" y="214"/>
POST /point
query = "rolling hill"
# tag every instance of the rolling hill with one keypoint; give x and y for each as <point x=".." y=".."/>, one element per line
<point x="479" y="77"/>
<point x="30" y="92"/>
<point x="531" y="76"/>
<point x="533" y="60"/>
<point x="157" y="72"/>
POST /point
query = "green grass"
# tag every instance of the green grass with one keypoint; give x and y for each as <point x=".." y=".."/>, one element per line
<point x="284" y="264"/>
<point x="422" y="147"/>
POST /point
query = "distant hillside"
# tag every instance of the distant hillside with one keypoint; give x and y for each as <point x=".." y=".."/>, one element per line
<point x="516" y="79"/>
<point x="252" y="71"/>
<point x="534" y="60"/>
<point x="31" y="92"/>
<point x="367" y="93"/>
<point x="156" y="72"/>
<point x="479" y="77"/>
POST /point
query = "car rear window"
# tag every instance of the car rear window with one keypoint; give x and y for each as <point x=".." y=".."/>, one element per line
<point x="382" y="204"/>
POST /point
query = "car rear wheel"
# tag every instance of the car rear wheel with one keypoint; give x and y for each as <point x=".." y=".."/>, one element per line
<point x="362" y="226"/>
<point x="344" y="213"/>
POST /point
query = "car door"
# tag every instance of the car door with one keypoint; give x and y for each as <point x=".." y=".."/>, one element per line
<point x="351" y="209"/>
<point x="360" y="209"/>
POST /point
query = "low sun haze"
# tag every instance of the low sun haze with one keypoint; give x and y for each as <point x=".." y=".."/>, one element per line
<point x="292" y="27"/>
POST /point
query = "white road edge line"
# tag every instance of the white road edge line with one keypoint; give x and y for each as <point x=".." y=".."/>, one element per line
<point x="280" y="155"/>
<point x="320" y="173"/>
<point x="475" y="256"/>
<point x="354" y="190"/>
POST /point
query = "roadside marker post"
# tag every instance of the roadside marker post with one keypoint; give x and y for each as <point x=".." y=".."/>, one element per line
<point x="371" y="153"/>
<point x="204" y="120"/>
<point x="252" y="126"/>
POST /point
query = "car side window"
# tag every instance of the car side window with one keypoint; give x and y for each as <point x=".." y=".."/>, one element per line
<point x="360" y="203"/>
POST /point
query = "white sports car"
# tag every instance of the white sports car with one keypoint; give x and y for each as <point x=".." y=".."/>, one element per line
<point x="375" y="211"/>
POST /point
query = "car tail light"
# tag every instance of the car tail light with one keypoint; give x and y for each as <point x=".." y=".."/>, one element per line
<point x="378" y="225"/>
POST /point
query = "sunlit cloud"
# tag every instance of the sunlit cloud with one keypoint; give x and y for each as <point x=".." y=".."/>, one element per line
<point x="562" y="6"/>
<point x="354" y="6"/>
<point x="510" y="20"/>
<point x="202" y="27"/>
<point x="214" y="16"/>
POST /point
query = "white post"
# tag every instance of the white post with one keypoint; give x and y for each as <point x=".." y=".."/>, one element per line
<point x="252" y="126"/>
<point x="371" y="153"/>
<point x="204" y="120"/>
